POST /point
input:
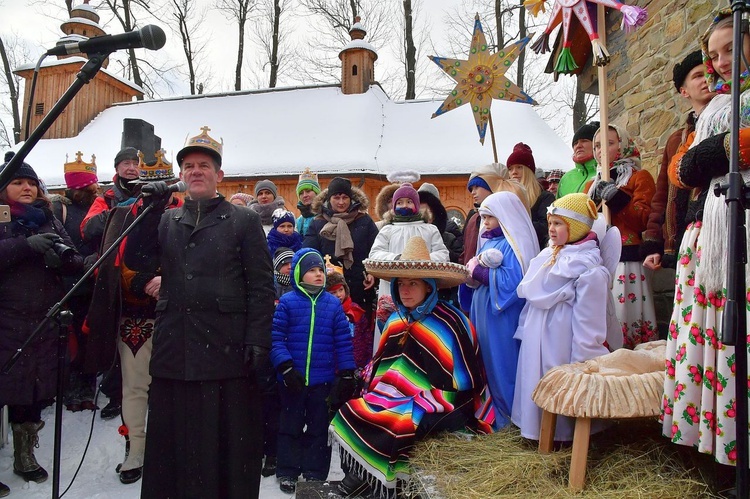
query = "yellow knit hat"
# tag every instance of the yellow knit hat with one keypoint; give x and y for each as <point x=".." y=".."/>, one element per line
<point x="578" y="211"/>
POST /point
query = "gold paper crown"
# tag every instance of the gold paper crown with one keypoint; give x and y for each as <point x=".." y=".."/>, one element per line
<point x="308" y="175"/>
<point x="80" y="166"/>
<point x="330" y="268"/>
<point x="160" y="170"/>
<point x="203" y="141"/>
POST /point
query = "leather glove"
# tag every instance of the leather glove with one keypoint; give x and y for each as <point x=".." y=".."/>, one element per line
<point x="606" y="190"/>
<point x="89" y="261"/>
<point x="491" y="258"/>
<point x="342" y="390"/>
<point x="156" y="194"/>
<point x="256" y="356"/>
<point x="40" y="243"/>
<point x="52" y="259"/>
<point x="293" y="380"/>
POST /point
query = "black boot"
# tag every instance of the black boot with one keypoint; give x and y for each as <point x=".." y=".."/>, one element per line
<point x="351" y="486"/>
<point x="25" y="439"/>
<point x="4" y="490"/>
<point x="131" y="476"/>
<point x="269" y="467"/>
<point x="111" y="410"/>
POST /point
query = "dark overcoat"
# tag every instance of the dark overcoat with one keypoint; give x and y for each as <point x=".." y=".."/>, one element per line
<point x="28" y="289"/>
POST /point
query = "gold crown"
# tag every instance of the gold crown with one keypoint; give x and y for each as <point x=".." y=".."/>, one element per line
<point x="202" y="141"/>
<point x="330" y="268"/>
<point x="160" y="170"/>
<point x="80" y="166"/>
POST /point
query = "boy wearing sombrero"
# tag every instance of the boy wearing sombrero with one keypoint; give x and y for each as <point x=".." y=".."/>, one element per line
<point x="426" y="376"/>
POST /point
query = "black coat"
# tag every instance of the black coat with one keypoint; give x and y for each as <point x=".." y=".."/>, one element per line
<point x="217" y="290"/>
<point x="539" y="217"/>
<point x="28" y="289"/>
<point x="363" y="231"/>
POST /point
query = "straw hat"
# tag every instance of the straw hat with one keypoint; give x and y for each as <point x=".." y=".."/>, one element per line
<point x="415" y="263"/>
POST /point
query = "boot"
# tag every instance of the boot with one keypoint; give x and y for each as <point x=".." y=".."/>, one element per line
<point x="4" y="490"/>
<point x="269" y="467"/>
<point x="25" y="439"/>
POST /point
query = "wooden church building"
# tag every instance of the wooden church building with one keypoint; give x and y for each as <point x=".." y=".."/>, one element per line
<point x="351" y="129"/>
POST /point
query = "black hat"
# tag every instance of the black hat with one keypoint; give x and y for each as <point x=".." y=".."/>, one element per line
<point x="587" y="132"/>
<point x="24" y="171"/>
<point x="126" y="153"/>
<point x="681" y="69"/>
<point x="340" y="186"/>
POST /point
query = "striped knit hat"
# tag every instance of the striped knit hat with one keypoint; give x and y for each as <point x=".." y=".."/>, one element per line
<point x="578" y="212"/>
<point x="281" y="256"/>
<point x="308" y="180"/>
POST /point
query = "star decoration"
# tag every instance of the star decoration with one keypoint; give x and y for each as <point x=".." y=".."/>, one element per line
<point x="481" y="78"/>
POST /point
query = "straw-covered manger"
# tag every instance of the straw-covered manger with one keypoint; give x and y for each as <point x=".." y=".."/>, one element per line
<point x="629" y="459"/>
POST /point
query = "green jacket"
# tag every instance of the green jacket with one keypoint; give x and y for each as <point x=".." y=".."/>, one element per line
<point x="574" y="180"/>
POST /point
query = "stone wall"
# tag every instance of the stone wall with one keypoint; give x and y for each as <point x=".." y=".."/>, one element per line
<point x="639" y="77"/>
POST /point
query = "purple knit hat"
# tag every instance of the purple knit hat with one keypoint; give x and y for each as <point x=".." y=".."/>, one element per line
<point x="406" y="191"/>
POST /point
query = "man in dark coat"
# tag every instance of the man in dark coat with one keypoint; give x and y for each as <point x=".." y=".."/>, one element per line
<point x="213" y="329"/>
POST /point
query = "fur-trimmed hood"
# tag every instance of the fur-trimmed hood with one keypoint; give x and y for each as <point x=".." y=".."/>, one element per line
<point x="384" y="198"/>
<point x="358" y="196"/>
<point x="438" y="213"/>
<point x="60" y="198"/>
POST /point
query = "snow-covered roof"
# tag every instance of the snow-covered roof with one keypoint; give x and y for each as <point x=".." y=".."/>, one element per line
<point x="85" y="6"/>
<point x="80" y="61"/>
<point x="82" y="20"/>
<point x="359" y="44"/>
<point x="282" y="131"/>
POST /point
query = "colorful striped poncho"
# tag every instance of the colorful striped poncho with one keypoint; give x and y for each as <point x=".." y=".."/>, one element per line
<point x="427" y="367"/>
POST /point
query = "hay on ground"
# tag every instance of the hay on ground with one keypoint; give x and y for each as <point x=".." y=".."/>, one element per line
<point x="624" y="461"/>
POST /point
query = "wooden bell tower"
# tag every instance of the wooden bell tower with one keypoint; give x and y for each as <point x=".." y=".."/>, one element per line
<point x="357" y="62"/>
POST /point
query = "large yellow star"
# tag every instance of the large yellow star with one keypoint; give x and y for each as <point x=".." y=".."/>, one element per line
<point x="481" y="78"/>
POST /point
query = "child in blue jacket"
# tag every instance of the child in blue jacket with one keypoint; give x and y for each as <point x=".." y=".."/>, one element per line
<point x="312" y="354"/>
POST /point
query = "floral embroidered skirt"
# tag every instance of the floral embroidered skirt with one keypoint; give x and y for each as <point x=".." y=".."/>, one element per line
<point x="634" y="304"/>
<point x="698" y="406"/>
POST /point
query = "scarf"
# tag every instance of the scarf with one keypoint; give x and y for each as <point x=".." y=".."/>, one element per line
<point x="266" y="210"/>
<point x="352" y="311"/>
<point x="337" y="230"/>
<point x="278" y="240"/>
<point x="27" y="218"/>
<point x="311" y="289"/>
<point x="282" y="279"/>
<point x="305" y="210"/>
<point x="492" y="234"/>
<point x="627" y="161"/>
<point x="414" y="217"/>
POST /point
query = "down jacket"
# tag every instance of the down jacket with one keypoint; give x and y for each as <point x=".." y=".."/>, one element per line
<point x="312" y="332"/>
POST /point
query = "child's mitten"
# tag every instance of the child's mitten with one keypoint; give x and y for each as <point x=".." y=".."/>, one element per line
<point x="491" y="258"/>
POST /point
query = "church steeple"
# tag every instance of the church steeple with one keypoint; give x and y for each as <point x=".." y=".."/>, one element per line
<point x="82" y="25"/>
<point x="357" y="61"/>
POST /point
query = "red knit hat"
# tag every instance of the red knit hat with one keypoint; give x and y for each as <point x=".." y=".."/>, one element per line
<point x="521" y="155"/>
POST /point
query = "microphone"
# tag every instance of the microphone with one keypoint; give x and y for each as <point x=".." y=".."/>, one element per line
<point x="155" y="188"/>
<point x="150" y="37"/>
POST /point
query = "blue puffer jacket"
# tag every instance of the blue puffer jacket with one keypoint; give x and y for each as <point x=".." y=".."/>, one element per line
<point x="312" y="331"/>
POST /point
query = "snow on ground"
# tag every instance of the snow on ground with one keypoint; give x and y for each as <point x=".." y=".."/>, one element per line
<point x="97" y="478"/>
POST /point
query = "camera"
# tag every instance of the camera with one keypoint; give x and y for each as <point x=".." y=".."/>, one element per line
<point x="60" y="248"/>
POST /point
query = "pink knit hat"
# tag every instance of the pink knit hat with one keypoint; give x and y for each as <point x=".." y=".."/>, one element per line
<point x="406" y="191"/>
<point x="79" y="174"/>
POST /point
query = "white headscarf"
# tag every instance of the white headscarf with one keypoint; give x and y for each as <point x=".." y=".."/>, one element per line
<point x="516" y="224"/>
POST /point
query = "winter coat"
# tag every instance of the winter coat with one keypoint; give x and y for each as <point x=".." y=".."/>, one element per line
<point x="217" y="288"/>
<point x="28" y="289"/>
<point x="666" y="223"/>
<point x="71" y="215"/>
<point x="304" y="220"/>
<point x="363" y="232"/>
<point x="392" y="239"/>
<point x="438" y="216"/>
<point x="574" y="180"/>
<point x="539" y="216"/>
<point x="630" y="209"/>
<point x="311" y="331"/>
<point x="92" y="226"/>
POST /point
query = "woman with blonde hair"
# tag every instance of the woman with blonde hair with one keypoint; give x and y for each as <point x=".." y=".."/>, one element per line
<point x="522" y="169"/>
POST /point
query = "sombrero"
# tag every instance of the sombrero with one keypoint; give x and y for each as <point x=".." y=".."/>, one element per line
<point x="415" y="263"/>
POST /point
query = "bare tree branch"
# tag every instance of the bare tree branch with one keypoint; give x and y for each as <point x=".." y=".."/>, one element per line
<point x="238" y="10"/>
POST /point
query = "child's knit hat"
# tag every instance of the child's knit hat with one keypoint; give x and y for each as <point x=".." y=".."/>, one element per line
<point x="334" y="281"/>
<point x="309" y="260"/>
<point x="280" y="215"/>
<point x="281" y="256"/>
<point x="578" y="211"/>
<point x="308" y="180"/>
<point x="246" y="198"/>
<point x="406" y="191"/>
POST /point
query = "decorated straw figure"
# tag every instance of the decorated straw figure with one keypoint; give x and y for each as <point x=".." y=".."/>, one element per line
<point x="564" y="11"/>
<point x="482" y="78"/>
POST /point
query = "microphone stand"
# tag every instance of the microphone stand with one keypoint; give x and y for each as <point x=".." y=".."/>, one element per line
<point x="734" y="331"/>
<point x="87" y="72"/>
<point x="64" y="318"/>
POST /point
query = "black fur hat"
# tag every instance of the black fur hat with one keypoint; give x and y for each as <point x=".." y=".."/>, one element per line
<point x="681" y="69"/>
